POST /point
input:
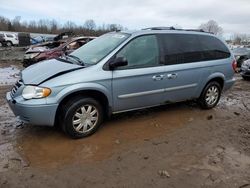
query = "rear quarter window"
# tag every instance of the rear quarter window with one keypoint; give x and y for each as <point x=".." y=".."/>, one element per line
<point x="213" y="48"/>
<point x="190" y="48"/>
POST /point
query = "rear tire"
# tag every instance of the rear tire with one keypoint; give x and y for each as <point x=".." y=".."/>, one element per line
<point x="82" y="117"/>
<point x="210" y="95"/>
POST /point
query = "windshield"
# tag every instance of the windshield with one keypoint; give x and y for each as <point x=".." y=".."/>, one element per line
<point x="97" y="49"/>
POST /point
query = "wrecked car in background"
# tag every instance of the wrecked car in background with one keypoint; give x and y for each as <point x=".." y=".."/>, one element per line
<point x="11" y="39"/>
<point x="40" y="39"/>
<point x="241" y="54"/>
<point x="245" y="70"/>
<point x="53" y="49"/>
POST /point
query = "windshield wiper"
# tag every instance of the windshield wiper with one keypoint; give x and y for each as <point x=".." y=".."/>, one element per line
<point x="62" y="58"/>
<point x="77" y="59"/>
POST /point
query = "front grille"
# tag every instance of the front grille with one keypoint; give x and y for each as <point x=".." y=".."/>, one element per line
<point x="16" y="86"/>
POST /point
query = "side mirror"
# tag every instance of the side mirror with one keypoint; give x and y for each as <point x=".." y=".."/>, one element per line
<point x="118" y="62"/>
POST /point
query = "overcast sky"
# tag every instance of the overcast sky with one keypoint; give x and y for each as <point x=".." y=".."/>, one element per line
<point x="232" y="15"/>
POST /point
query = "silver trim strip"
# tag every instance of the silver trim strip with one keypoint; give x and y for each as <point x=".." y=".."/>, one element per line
<point x="180" y="87"/>
<point x="141" y="93"/>
<point x="155" y="91"/>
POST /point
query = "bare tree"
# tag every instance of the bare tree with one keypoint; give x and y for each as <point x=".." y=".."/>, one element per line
<point x="4" y="23"/>
<point x="53" y="26"/>
<point x="16" y="23"/>
<point x="90" y="24"/>
<point x="212" y="27"/>
<point x="69" y="25"/>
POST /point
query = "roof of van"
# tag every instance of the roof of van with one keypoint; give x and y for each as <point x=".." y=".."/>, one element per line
<point x="166" y="30"/>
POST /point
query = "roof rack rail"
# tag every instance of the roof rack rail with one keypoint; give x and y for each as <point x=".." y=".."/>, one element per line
<point x="199" y="30"/>
<point x="159" y="28"/>
<point x="172" y="28"/>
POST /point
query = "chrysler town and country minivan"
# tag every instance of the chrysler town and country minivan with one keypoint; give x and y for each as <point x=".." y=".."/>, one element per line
<point x="123" y="71"/>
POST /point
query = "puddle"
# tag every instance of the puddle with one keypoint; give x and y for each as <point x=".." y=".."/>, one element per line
<point x="8" y="75"/>
<point x="46" y="147"/>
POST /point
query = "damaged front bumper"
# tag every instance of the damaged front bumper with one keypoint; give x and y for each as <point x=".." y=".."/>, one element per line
<point x="35" y="114"/>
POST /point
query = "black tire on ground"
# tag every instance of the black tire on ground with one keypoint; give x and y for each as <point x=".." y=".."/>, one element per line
<point x="75" y="106"/>
<point x="204" y="104"/>
<point x="245" y="78"/>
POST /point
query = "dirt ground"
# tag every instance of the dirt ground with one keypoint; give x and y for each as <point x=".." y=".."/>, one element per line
<point x="176" y="145"/>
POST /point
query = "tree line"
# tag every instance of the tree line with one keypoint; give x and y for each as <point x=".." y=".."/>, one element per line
<point x="88" y="28"/>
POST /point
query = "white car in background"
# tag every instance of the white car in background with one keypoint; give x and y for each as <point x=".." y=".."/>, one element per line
<point x="11" y="39"/>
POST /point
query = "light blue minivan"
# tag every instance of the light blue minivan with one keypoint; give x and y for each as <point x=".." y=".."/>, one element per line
<point x="123" y="71"/>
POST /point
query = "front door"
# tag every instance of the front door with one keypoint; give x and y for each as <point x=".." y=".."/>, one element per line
<point x="141" y="82"/>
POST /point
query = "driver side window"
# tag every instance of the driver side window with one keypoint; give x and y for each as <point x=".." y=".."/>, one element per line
<point x="141" y="52"/>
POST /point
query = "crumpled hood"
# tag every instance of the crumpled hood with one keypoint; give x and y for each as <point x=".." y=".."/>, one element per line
<point x="37" y="49"/>
<point x="39" y="72"/>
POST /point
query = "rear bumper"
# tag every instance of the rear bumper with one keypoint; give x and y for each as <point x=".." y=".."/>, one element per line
<point x="33" y="114"/>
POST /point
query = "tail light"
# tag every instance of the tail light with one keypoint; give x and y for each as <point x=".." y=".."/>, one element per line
<point x="234" y="65"/>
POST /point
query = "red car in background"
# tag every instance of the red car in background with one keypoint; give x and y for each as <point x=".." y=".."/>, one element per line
<point x="51" y="50"/>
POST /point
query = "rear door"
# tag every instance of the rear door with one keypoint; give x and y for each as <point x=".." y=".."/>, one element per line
<point x="181" y="56"/>
<point x="141" y="82"/>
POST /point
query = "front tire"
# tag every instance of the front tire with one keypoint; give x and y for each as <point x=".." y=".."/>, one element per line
<point x="9" y="43"/>
<point x="210" y="95"/>
<point x="82" y="117"/>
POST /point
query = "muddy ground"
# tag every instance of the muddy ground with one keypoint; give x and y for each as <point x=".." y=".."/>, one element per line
<point x="176" y="145"/>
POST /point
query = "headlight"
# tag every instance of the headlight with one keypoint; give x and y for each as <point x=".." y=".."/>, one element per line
<point x="34" y="92"/>
<point x="31" y="55"/>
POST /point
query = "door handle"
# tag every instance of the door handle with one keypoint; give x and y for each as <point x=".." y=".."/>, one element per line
<point x="172" y="76"/>
<point x="158" y="77"/>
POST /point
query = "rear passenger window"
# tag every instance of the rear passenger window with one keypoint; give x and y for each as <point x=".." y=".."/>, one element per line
<point x="189" y="48"/>
<point x="11" y="36"/>
<point x="213" y="48"/>
<point x="141" y="52"/>
<point x="179" y="48"/>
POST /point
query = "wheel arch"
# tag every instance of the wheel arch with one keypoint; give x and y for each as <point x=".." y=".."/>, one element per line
<point x="9" y="41"/>
<point x="95" y="94"/>
<point x="217" y="77"/>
